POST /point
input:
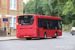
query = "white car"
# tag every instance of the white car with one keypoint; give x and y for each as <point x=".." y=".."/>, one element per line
<point x="72" y="31"/>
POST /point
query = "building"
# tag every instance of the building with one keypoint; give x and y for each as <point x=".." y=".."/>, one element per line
<point x="9" y="9"/>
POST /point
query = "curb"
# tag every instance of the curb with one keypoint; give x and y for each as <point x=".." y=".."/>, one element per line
<point x="8" y="39"/>
<point x="12" y="39"/>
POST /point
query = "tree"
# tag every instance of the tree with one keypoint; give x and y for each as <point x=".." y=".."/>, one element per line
<point x="69" y="7"/>
<point x="73" y="23"/>
<point x="59" y="8"/>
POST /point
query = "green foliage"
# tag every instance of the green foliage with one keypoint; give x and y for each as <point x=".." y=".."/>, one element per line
<point x="66" y="27"/>
<point x="69" y="7"/>
<point x="73" y="23"/>
<point x="59" y="8"/>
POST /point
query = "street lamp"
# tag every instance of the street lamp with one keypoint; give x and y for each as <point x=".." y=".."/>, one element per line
<point x="26" y="9"/>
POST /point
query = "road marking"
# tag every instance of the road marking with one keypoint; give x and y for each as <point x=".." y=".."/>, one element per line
<point x="65" y="47"/>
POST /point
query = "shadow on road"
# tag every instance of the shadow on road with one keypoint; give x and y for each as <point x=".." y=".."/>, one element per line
<point x="24" y="39"/>
<point x="45" y="39"/>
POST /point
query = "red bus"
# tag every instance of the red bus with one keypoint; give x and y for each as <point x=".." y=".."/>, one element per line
<point x="38" y="26"/>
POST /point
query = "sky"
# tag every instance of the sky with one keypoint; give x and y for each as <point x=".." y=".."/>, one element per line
<point x="25" y="1"/>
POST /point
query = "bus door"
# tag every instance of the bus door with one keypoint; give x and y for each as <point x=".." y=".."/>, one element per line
<point x="50" y="28"/>
<point x="40" y="28"/>
<point x="59" y="28"/>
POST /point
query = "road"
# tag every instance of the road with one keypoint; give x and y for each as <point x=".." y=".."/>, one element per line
<point x="65" y="42"/>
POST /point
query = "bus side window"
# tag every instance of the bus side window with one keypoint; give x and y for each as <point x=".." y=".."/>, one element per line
<point x="55" y="24"/>
<point x="44" y="23"/>
<point x="59" y="25"/>
<point x="51" y="24"/>
<point x="40" y="22"/>
<point x="48" y="25"/>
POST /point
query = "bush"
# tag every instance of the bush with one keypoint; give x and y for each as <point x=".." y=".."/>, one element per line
<point x="73" y="23"/>
<point x="66" y="27"/>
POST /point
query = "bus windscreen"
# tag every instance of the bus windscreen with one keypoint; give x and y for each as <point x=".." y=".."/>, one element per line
<point x="25" y="20"/>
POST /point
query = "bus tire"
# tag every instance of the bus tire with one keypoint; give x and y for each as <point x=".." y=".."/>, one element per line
<point x="28" y="38"/>
<point x="72" y="34"/>
<point x="45" y="35"/>
<point x="55" y="35"/>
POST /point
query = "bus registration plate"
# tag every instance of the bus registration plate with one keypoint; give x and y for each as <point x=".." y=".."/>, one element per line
<point x="26" y="36"/>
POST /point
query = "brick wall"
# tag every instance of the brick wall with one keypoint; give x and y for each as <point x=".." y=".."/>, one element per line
<point x="20" y="7"/>
<point x="5" y="10"/>
<point x="19" y="10"/>
<point x="0" y="22"/>
<point x="0" y="3"/>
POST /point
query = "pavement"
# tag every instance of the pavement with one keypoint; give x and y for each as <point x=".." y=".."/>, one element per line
<point x="11" y="38"/>
<point x="64" y="42"/>
<point x="8" y="38"/>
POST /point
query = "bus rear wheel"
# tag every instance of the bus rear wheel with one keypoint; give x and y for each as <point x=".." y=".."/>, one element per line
<point x="45" y="35"/>
<point x="55" y="35"/>
<point x="28" y="38"/>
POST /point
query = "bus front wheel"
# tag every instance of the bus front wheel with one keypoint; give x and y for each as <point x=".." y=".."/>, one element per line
<point x="55" y="35"/>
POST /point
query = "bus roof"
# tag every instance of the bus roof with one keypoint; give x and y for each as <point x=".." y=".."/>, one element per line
<point x="43" y="16"/>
